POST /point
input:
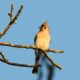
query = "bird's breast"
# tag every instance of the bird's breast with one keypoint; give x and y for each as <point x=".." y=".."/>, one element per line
<point x="43" y="41"/>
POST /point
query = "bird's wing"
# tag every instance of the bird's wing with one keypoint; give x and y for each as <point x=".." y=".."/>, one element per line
<point x="35" y="39"/>
<point x="36" y="51"/>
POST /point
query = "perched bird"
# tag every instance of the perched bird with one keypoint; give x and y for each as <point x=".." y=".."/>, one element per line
<point x="42" y="41"/>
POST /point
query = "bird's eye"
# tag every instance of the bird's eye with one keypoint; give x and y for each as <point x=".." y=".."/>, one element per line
<point x="44" y="27"/>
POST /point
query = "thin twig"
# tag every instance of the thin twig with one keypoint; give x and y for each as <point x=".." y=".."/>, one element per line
<point x="28" y="47"/>
<point x="11" y="14"/>
<point x="55" y="51"/>
<point x="16" y="64"/>
<point x="54" y="63"/>
<point x="11" y="22"/>
<point x="4" y="58"/>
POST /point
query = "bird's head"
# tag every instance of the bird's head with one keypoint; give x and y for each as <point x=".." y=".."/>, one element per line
<point x="44" y="26"/>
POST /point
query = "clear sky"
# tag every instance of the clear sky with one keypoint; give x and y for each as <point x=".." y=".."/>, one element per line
<point x="64" y="20"/>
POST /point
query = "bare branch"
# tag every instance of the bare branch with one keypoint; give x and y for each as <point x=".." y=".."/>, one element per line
<point x="28" y="47"/>
<point x="16" y="64"/>
<point x="54" y="63"/>
<point x="11" y="14"/>
<point x="34" y="47"/>
<point x="11" y="22"/>
<point x="3" y="59"/>
<point x="55" y="51"/>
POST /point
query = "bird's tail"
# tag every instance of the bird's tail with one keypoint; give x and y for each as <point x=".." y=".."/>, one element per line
<point x="35" y="68"/>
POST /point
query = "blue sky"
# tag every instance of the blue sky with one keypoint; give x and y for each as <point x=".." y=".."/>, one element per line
<point x="63" y="17"/>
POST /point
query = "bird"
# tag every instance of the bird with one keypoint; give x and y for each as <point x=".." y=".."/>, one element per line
<point x="42" y="42"/>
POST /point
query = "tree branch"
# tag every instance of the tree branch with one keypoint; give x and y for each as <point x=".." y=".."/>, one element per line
<point x="34" y="47"/>
<point x="11" y="14"/>
<point x="55" y="51"/>
<point x="3" y="59"/>
<point x="29" y="47"/>
<point x="54" y="63"/>
<point x="11" y="22"/>
<point x="16" y="64"/>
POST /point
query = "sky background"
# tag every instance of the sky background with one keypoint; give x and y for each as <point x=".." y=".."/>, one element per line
<point x="63" y="17"/>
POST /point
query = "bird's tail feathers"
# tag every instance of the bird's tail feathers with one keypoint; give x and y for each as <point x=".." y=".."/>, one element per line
<point x="35" y="68"/>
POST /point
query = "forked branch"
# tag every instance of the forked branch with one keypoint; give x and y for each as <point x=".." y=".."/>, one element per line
<point x="12" y="21"/>
<point x="5" y="60"/>
<point x="34" y="47"/>
<point x="11" y="14"/>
